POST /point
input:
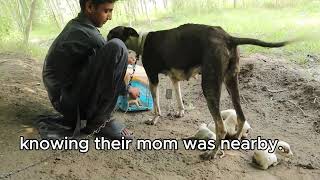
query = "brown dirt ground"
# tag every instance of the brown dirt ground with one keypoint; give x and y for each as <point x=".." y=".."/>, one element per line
<point x="271" y="114"/>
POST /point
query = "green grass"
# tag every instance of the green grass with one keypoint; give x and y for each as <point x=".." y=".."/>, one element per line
<point x="45" y="31"/>
<point x="32" y="51"/>
<point x="262" y="23"/>
<point x="266" y="23"/>
<point x="39" y="41"/>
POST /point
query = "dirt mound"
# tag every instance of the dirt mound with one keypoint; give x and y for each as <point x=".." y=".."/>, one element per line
<point x="280" y="100"/>
<point x="294" y="90"/>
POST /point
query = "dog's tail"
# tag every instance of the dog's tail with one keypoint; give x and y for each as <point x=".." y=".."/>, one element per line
<point x="242" y="41"/>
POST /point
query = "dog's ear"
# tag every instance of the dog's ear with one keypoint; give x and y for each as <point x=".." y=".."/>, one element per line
<point x="128" y="31"/>
<point x="116" y="32"/>
<point x="122" y="33"/>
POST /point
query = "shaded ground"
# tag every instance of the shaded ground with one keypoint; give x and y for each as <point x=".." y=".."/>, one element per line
<point x="279" y="99"/>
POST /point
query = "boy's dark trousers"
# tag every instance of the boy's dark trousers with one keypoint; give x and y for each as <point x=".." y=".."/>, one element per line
<point x="93" y="95"/>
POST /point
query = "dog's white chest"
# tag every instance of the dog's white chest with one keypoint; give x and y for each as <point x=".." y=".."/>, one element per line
<point x="183" y="74"/>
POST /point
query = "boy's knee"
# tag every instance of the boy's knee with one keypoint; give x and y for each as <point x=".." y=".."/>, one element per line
<point x="117" y="49"/>
<point x="117" y="44"/>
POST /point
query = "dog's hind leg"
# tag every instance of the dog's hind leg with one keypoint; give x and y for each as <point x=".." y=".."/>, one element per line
<point x="155" y="95"/>
<point x="176" y="85"/>
<point x="212" y="79"/>
<point x="232" y="85"/>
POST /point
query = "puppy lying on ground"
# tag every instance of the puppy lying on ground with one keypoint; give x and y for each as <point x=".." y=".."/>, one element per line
<point x="230" y="121"/>
<point x="185" y="51"/>
<point x="204" y="133"/>
<point x="263" y="159"/>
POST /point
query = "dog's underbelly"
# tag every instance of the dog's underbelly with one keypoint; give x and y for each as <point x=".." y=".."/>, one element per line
<point x="180" y="75"/>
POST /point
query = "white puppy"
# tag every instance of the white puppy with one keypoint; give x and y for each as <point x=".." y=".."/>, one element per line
<point x="204" y="133"/>
<point x="230" y="122"/>
<point x="265" y="159"/>
<point x="283" y="148"/>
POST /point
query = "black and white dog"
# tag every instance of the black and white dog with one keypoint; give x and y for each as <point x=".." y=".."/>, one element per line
<point x="185" y="51"/>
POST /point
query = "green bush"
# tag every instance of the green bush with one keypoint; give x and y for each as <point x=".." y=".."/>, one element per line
<point x="5" y="27"/>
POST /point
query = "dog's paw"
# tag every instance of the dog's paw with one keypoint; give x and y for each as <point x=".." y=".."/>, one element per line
<point x="149" y="122"/>
<point x="222" y="153"/>
<point x="179" y="114"/>
<point x="212" y="154"/>
<point x="232" y="137"/>
<point x="153" y="121"/>
<point x="236" y="136"/>
<point x="208" y="155"/>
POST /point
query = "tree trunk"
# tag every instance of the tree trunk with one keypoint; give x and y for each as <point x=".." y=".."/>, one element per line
<point x="146" y="10"/>
<point x="52" y="7"/>
<point x="71" y="7"/>
<point x="127" y="10"/>
<point x="132" y="8"/>
<point x="29" y="22"/>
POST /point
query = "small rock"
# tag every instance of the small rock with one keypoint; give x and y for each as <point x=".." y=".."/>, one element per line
<point x="29" y="90"/>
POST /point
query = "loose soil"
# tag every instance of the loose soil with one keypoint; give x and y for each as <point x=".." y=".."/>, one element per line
<point x="280" y="100"/>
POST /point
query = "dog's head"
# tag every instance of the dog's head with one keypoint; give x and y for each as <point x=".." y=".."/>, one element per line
<point x="123" y="33"/>
<point x="127" y="34"/>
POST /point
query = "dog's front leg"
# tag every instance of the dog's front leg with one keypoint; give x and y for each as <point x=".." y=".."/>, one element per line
<point x="176" y="85"/>
<point x="221" y="133"/>
<point x="155" y="95"/>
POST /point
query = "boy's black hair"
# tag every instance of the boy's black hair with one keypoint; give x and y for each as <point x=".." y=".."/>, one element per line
<point x="95" y="2"/>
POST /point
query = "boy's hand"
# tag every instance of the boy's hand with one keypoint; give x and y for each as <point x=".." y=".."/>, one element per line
<point x="134" y="93"/>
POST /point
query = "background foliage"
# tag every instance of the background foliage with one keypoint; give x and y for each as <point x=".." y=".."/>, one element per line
<point x="272" y="20"/>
